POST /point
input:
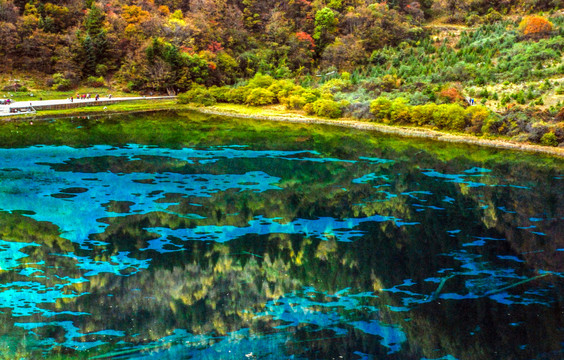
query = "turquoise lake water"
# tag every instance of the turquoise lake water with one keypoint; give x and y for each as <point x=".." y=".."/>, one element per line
<point x="184" y="236"/>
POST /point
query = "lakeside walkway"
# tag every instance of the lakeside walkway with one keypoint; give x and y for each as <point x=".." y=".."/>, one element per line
<point x="27" y="107"/>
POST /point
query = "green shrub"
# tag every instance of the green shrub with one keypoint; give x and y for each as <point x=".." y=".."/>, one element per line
<point x="380" y="107"/>
<point x="260" y="96"/>
<point x="472" y="20"/>
<point x="60" y="83"/>
<point x="519" y="97"/>
<point x="238" y="95"/>
<point x="198" y="95"/>
<point x="423" y="114"/>
<point x="95" y="81"/>
<point x="475" y="117"/>
<point x="295" y="102"/>
<point x="282" y="88"/>
<point x="549" y="139"/>
<point x="390" y="82"/>
<point x="261" y="81"/>
<point x="400" y="111"/>
<point x="336" y="85"/>
<point x="449" y="116"/>
<point x="491" y="125"/>
<point x="221" y="94"/>
<point x="505" y="100"/>
<point x="326" y="108"/>
<point x="418" y="98"/>
<point x="492" y="17"/>
<point x="101" y="69"/>
<point x="311" y="95"/>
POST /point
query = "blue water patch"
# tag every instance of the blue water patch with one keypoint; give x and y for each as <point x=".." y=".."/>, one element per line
<point x="448" y="199"/>
<point x="24" y="298"/>
<point x="446" y="357"/>
<point x="392" y="336"/>
<point x="509" y="257"/>
<point x="504" y="209"/>
<point x="71" y="332"/>
<point x="324" y="228"/>
<point x="376" y="160"/>
<point x="475" y="170"/>
<point x="131" y="187"/>
<point x="117" y="264"/>
<point x="455" y="178"/>
<point x="10" y="254"/>
<point x="363" y="356"/>
<point x="370" y="177"/>
<point x="432" y="207"/>
<point x="299" y="309"/>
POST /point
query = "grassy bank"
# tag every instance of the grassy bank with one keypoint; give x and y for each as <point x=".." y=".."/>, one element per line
<point x="278" y="113"/>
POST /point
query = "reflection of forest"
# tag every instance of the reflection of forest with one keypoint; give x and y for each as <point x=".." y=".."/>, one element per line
<point x="219" y="288"/>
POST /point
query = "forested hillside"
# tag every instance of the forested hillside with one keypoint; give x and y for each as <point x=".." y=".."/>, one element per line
<point x="393" y="61"/>
<point x="169" y="44"/>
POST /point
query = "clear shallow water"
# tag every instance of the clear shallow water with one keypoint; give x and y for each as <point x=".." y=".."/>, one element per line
<point x="185" y="236"/>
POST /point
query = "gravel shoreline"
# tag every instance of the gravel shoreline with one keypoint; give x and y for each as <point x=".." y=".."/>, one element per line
<point x="395" y="130"/>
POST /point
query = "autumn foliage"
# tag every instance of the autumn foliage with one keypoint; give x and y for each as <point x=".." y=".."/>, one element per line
<point x="303" y="36"/>
<point x="451" y="95"/>
<point x="535" y="26"/>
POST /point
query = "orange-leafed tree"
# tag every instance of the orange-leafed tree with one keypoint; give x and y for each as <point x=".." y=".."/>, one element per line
<point x="451" y="95"/>
<point x="535" y="27"/>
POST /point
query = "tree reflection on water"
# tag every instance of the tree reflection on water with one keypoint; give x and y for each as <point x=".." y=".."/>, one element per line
<point x="223" y="238"/>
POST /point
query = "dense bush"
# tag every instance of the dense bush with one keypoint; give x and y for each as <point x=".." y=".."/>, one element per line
<point x="535" y="26"/>
<point x="380" y="107"/>
<point x="400" y="111"/>
<point x="238" y="95"/>
<point x="95" y="81"/>
<point x="60" y="83"/>
<point x="475" y="118"/>
<point x="423" y="114"/>
<point x="449" y="116"/>
<point x="198" y="95"/>
<point x="324" y="107"/>
<point x="261" y="81"/>
<point x="295" y="102"/>
<point x="282" y="88"/>
<point x="549" y="139"/>
<point x="260" y="96"/>
<point x="221" y="94"/>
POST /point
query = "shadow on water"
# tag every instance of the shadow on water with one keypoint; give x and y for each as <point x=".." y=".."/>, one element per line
<point x="190" y="236"/>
